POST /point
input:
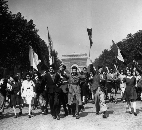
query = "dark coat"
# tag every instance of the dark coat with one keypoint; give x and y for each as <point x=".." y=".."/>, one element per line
<point x="52" y="84"/>
<point x="95" y="82"/>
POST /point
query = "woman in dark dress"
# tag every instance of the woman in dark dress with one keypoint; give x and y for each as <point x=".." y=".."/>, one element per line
<point x="130" y="94"/>
<point x="16" y="96"/>
<point x="3" y="86"/>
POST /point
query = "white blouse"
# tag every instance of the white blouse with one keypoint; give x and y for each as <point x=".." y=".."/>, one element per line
<point x="27" y="88"/>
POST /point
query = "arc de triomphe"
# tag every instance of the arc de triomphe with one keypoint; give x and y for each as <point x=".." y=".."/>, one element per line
<point x="79" y="60"/>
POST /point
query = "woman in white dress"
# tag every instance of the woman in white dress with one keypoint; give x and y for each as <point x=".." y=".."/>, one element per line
<point x="27" y="91"/>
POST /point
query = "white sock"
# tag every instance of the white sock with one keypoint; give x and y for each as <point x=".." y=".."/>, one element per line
<point x="134" y="106"/>
<point x="29" y="109"/>
<point x="83" y="98"/>
<point x="14" y="110"/>
<point x="141" y="96"/>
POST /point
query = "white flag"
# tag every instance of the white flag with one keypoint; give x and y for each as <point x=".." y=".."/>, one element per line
<point x="120" y="57"/>
<point x="33" y="57"/>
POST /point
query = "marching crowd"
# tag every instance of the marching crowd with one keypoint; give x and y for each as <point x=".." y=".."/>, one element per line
<point x="71" y="91"/>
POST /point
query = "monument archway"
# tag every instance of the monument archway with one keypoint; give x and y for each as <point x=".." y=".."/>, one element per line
<point x="79" y="60"/>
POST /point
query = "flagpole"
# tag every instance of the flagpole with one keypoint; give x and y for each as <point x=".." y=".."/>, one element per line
<point x="89" y="51"/>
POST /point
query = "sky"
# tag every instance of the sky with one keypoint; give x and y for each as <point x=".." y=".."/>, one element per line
<point x="68" y="20"/>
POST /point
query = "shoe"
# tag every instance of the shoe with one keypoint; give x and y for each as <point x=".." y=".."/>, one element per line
<point x="20" y="113"/>
<point x="83" y="109"/>
<point x="58" y="117"/>
<point x="73" y="115"/>
<point x="15" y="116"/>
<point x="65" y="114"/>
<point x="77" y="116"/>
<point x="31" y="113"/>
<point x="29" y="116"/>
<point x="135" y="113"/>
<point x="97" y="113"/>
<point x="83" y="103"/>
<point x="46" y="111"/>
<point x="130" y="112"/>
<point x="54" y="117"/>
<point x="42" y="112"/>
<point x="104" y="116"/>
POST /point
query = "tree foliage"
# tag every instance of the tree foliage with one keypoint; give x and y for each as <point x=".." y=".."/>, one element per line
<point x="16" y="35"/>
<point x="131" y="46"/>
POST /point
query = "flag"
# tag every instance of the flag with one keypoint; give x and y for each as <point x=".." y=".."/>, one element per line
<point x="50" y="48"/>
<point x="33" y="57"/>
<point x="107" y="69"/>
<point x="90" y="36"/>
<point x="118" y="53"/>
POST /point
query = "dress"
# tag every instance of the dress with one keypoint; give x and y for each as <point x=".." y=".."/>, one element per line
<point x="15" y="98"/>
<point x="2" y="95"/>
<point x="130" y="90"/>
<point x="28" y="91"/>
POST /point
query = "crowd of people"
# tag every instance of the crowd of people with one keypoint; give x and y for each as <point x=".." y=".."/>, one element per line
<point x="71" y="90"/>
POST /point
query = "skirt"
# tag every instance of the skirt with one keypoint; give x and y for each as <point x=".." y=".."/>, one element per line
<point x="15" y="100"/>
<point x="28" y="97"/>
<point x="84" y="89"/>
<point x="109" y="86"/>
<point x="130" y="93"/>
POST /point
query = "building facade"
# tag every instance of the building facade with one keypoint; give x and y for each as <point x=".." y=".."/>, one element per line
<point x="79" y="60"/>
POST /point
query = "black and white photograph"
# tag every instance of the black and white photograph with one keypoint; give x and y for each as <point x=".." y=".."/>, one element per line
<point x="70" y="64"/>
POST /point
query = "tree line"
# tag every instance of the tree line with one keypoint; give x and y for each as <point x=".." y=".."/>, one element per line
<point x="131" y="47"/>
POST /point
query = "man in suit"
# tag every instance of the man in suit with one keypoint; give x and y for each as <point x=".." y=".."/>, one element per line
<point x="52" y="82"/>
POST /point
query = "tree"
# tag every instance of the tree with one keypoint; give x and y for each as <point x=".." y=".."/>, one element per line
<point x="131" y="46"/>
<point x="16" y="35"/>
